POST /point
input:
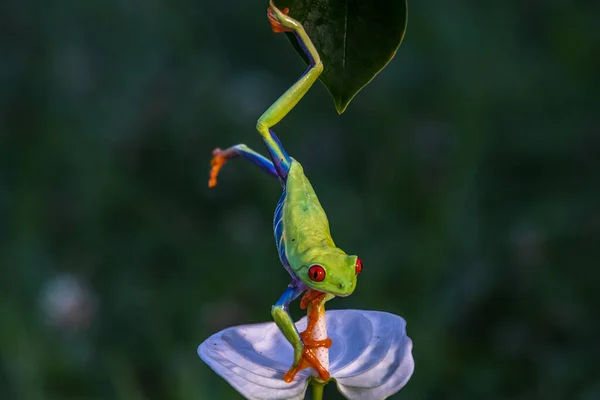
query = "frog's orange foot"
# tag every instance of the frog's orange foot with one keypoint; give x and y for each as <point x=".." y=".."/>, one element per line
<point x="309" y="360"/>
<point x="216" y="163"/>
<point x="275" y="24"/>
<point x="313" y="344"/>
<point x="311" y="296"/>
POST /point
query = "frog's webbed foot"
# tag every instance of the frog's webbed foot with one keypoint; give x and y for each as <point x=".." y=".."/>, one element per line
<point x="308" y="360"/>
<point x="279" y="20"/>
<point x="218" y="160"/>
<point x="311" y="297"/>
<point x="313" y="344"/>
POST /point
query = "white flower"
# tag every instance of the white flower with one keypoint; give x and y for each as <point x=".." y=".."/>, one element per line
<point x="370" y="359"/>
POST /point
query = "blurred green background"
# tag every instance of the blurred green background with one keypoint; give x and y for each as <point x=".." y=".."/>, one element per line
<point x="465" y="175"/>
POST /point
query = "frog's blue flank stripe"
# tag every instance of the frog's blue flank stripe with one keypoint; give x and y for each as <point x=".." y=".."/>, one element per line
<point x="278" y="230"/>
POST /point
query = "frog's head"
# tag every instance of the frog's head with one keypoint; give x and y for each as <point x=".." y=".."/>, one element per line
<point x="330" y="271"/>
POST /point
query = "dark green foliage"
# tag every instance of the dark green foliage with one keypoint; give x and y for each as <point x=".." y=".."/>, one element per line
<point x="356" y="39"/>
<point x="465" y="176"/>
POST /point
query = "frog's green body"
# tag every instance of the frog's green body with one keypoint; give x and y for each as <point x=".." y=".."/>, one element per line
<point x="301" y="228"/>
<point x="307" y="239"/>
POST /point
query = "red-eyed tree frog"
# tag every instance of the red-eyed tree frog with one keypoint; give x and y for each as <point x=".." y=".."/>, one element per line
<point x="301" y="228"/>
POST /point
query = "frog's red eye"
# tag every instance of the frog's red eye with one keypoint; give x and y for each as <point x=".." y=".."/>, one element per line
<point x="316" y="273"/>
<point x="358" y="266"/>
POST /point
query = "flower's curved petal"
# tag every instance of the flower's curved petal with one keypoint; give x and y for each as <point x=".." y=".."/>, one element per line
<point x="253" y="359"/>
<point x="370" y="357"/>
<point x="383" y="366"/>
<point x="360" y="340"/>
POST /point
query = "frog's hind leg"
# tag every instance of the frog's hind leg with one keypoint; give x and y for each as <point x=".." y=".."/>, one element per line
<point x="281" y="22"/>
<point x="220" y="157"/>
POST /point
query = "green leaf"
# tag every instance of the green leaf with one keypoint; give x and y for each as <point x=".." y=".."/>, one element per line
<point x="355" y="38"/>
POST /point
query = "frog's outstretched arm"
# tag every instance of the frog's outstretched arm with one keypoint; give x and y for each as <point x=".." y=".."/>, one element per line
<point x="282" y="318"/>
<point x="280" y="22"/>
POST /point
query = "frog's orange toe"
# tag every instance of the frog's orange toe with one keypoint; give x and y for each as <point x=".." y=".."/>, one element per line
<point x="312" y="344"/>
<point x="309" y="360"/>
<point x="217" y="163"/>
<point x="275" y="24"/>
<point x="311" y="296"/>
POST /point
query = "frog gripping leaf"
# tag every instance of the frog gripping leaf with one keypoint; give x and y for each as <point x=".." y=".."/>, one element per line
<point x="300" y="224"/>
<point x="355" y="38"/>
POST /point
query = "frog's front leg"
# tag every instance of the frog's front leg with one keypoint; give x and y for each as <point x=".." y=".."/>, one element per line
<point x="314" y="302"/>
<point x="314" y="336"/>
<point x="303" y="343"/>
<point x="304" y="348"/>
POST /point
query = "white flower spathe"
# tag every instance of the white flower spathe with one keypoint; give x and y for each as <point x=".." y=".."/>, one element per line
<point x="370" y="359"/>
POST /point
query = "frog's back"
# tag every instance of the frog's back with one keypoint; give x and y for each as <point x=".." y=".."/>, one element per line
<point x="305" y="224"/>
